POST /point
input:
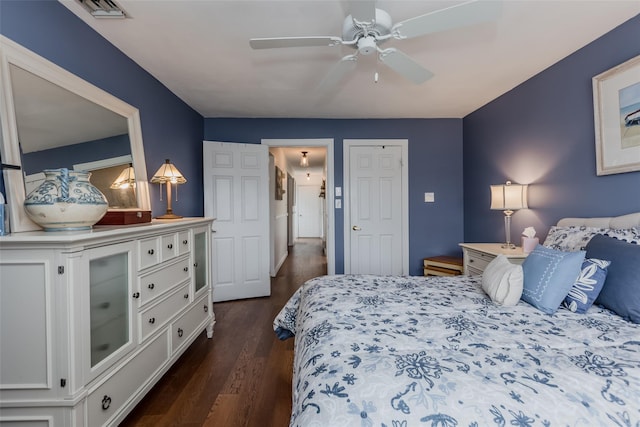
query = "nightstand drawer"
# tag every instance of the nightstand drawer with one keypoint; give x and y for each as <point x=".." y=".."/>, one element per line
<point x="479" y="260"/>
<point x="477" y="256"/>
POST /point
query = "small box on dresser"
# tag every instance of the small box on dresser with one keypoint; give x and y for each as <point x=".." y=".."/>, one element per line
<point x="476" y="256"/>
<point x="90" y="320"/>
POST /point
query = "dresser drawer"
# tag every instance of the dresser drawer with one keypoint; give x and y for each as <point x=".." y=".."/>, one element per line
<point x="184" y="242"/>
<point x="158" y="315"/>
<point x="187" y="324"/>
<point x="474" y="271"/>
<point x="168" y="247"/>
<point x="157" y="283"/>
<point x="148" y="253"/>
<point x="105" y="401"/>
<point x="479" y="260"/>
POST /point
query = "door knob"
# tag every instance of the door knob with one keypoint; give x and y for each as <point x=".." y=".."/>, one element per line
<point x="356" y="228"/>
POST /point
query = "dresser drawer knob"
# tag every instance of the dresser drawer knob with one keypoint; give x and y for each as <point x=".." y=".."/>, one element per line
<point x="184" y="242"/>
<point x="136" y="295"/>
<point x="170" y="246"/>
<point x="152" y="320"/>
<point x="150" y="251"/>
<point x="186" y="296"/>
<point x="186" y="269"/>
<point x="151" y="286"/>
<point x="106" y="402"/>
<point x="471" y="260"/>
<point x="206" y="308"/>
<point x="180" y="332"/>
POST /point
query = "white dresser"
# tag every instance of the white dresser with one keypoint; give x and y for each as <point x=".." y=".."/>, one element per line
<point x="90" y="320"/>
<point x="476" y="256"/>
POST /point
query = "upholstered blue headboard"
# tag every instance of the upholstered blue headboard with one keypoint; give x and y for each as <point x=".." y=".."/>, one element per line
<point x="624" y="221"/>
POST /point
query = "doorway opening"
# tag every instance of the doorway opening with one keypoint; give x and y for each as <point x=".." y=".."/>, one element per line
<point x="299" y="205"/>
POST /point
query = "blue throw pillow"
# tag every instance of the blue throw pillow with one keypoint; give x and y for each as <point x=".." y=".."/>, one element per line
<point x="548" y="276"/>
<point x="588" y="286"/>
<point x="621" y="290"/>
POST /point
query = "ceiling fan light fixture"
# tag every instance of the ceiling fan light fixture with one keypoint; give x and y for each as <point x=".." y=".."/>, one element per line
<point x="367" y="45"/>
<point x="304" y="161"/>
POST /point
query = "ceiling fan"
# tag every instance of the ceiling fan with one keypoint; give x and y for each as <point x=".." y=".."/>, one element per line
<point x="367" y="27"/>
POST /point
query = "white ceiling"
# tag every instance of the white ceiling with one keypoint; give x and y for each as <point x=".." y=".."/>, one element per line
<point x="199" y="49"/>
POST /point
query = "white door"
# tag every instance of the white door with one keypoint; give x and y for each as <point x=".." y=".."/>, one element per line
<point x="375" y="210"/>
<point x="309" y="211"/>
<point x="236" y="194"/>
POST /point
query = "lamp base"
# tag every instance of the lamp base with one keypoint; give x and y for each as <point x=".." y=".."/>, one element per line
<point x="169" y="216"/>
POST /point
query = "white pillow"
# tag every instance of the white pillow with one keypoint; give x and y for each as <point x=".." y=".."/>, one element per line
<point x="503" y="281"/>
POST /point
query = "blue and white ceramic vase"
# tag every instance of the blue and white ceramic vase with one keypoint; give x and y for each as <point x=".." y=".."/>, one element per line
<point x="66" y="200"/>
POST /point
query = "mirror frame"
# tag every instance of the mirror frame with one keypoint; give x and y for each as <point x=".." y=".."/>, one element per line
<point x="13" y="53"/>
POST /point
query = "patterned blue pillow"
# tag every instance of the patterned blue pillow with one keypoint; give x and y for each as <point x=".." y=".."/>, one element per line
<point x="548" y="277"/>
<point x="588" y="286"/>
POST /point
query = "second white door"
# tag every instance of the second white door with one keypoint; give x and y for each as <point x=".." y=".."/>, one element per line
<point x="375" y="210"/>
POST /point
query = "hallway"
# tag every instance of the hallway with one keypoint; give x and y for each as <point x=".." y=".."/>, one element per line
<point x="242" y="376"/>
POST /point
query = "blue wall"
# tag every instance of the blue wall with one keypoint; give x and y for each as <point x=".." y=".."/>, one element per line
<point x="84" y="152"/>
<point x="170" y="128"/>
<point x="435" y="164"/>
<point x="542" y="133"/>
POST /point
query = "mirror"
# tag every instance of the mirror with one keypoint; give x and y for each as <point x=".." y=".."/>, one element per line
<point x="53" y="119"/>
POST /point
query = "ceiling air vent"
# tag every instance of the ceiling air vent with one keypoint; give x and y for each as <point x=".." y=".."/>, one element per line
<point x="103" y="8"/>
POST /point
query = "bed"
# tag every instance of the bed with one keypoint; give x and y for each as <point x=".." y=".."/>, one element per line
<point x="438" y="351"/>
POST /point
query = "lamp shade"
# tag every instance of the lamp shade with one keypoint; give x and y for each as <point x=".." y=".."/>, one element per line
<point x="168" y="173"/>
<point x="126" y="179"/>
<point x="509" y="196"/>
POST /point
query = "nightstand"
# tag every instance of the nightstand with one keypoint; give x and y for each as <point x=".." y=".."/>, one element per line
<point x="476" y="256"/>
<point x="442" y="266"/>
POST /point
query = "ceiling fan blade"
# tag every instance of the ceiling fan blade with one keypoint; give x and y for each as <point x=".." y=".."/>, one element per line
<point x="405" y="66"/>
<point x="277" y="42"/>
<point x="338" y="72"/>
<point x="363" y="10"/>
<point x="469" y="13"/>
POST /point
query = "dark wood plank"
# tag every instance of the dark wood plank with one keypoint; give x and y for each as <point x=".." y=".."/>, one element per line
<point x="242" y="376"/>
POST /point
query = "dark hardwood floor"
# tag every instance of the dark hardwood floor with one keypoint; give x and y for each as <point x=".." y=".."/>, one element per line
<point x="242" y="376"/>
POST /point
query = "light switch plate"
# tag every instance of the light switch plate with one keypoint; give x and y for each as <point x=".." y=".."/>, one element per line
<point x="338" y="191"/>
<point x="429" y="197"/>
<point x="338" y="204"/>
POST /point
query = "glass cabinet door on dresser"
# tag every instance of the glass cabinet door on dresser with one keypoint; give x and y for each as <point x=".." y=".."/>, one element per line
<point x="111" y="318"/>
<point x="200" y="257"/>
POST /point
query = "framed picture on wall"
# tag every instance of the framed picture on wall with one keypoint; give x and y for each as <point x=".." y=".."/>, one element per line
<point x="279" y="183"/>
<point x="616" y="106"/>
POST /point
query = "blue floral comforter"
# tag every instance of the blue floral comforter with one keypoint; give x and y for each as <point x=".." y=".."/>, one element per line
<point x="415" y="351"/>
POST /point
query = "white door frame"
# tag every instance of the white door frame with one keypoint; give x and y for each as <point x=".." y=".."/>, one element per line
<point x="318" y="142"/>
<point x="404" y="144"/>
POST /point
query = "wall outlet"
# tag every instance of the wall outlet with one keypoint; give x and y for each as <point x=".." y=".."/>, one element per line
<point x="338" y="204"/>
<point x="429" y="197"/>
<point x="338" y="191"/>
